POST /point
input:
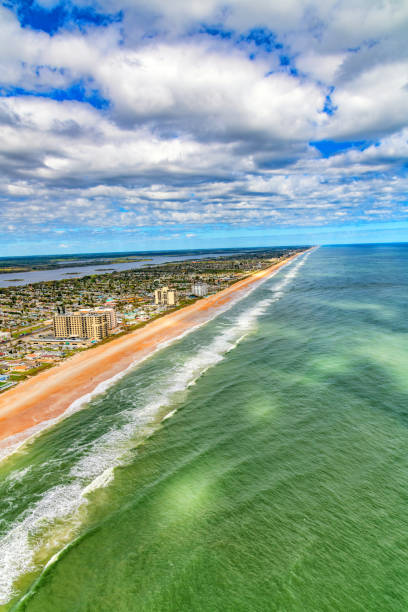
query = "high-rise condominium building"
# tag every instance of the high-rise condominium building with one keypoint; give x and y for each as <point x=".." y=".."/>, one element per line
<point x="95" y="326"/>
<point x="165" y="296"/>
<point x="90" y="325"/>
<point x="108" y="313"/>
<point x="199" y="289"/>
<point x="68" y="325"/>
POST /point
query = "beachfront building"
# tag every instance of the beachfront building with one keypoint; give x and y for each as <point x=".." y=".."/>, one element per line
<point x="89" y="325"/>
<point x="68" y="325"/>
<point x="165" y="296"/>
<point x="95" y="326"/>
<point x="108" y="313"/>
<point x="43" y="341"/>
<point x="199" y="289"/>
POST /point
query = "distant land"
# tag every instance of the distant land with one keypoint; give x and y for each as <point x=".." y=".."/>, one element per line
<point x="29" y="263"/>
<point x="52" y="262"/>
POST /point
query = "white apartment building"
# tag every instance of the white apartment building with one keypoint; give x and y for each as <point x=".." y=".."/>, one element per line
<point x="199" y="289"/>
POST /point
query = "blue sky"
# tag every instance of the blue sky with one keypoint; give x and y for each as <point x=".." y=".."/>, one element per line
<point x="133" y="126"/>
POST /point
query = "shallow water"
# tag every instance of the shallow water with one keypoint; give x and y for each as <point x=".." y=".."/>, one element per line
<point x="278" y="482"/>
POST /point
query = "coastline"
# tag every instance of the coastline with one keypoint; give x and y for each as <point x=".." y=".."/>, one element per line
<point x="39" y="401"/>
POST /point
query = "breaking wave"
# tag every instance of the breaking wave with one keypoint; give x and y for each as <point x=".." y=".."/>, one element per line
<point x="62" y="509"/>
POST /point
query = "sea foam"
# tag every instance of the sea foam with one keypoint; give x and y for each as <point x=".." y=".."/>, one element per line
<point x="64" y="503"/>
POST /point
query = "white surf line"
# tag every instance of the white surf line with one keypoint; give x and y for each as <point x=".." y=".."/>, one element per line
<point x="95" y="470"/>
<point x="17" y="442"/>
<point x="179" y="379"/>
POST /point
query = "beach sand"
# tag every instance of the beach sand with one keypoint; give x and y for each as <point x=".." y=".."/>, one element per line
<point x="49" y="394"/>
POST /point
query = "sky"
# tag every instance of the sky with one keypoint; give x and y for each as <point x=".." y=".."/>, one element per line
<point x="134" y="125"/>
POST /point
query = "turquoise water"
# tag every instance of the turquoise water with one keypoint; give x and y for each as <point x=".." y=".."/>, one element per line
<point x="259" y="463"/>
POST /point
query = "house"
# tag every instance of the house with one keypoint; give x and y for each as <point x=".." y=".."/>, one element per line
<point x="20" y="367"/>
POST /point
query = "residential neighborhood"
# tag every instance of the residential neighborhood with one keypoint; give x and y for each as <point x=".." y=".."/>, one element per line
<point x="43" y="323"/>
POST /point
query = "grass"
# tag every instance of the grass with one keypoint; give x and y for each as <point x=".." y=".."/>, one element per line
<point x="27" y="330"/>
<point x="127" y="330"/>
<point x="18" y="377"/>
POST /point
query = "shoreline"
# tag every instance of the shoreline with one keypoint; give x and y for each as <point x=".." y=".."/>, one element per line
<point x="40" y="401"/>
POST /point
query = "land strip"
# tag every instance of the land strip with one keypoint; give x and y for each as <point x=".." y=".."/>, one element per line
<point x="49" y="394"/>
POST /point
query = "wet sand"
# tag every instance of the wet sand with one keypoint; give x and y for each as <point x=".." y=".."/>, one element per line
<point x="49" y="394"/>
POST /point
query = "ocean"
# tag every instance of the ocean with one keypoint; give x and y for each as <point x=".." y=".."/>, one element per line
<point x="259" y="463"/>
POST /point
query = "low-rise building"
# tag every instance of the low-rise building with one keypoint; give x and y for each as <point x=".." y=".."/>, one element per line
<point x="31" y="356"/>
<point x="51" y="341"/>
<point x="21" y="367"/>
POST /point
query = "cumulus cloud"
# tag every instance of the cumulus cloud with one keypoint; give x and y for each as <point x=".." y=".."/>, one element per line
<point x="191" y="114"/>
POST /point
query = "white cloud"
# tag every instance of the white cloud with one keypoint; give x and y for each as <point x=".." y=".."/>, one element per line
<point x="197" y="130"/>
<point x="365" y="108"/>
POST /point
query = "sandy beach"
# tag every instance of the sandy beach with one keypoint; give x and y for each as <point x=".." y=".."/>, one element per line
<point x="49" y="394"/>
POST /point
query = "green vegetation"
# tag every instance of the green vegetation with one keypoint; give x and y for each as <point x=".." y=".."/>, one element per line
<point x="18" y="376"/>
<point x="24" y="309"/>
<point x="26" y="330"/>
<point x="29" y="264"/>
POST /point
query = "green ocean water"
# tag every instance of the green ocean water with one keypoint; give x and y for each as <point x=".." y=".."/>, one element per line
<point x="279" y="480"/>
